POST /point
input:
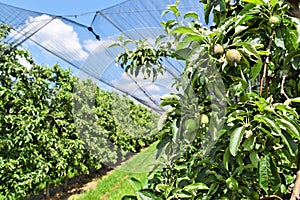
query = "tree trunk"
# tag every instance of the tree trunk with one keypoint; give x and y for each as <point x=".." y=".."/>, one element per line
<point x="65" y="188"/>
<point x="48" y="190"/>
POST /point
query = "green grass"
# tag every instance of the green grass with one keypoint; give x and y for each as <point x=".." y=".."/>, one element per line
<point x="116" y="184"/>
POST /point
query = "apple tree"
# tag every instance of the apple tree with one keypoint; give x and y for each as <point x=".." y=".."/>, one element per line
<point x="240" y="88"/>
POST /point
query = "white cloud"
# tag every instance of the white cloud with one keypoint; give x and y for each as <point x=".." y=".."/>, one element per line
<point x="92" y="45"/>
<point x="24" y="62"/>
<point x="126" y="86"/>
<point x="156" y="88"/>
<point x="153" y="88"/>
<point x="139" y="78"/>
<point x="126" y="82"/>
<point x="56" y="36"/>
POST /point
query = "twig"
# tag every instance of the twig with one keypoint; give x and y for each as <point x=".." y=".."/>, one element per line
<point x="295" y="74"/>
<point x="282" y="87"/>
<point x="270" y="197"/>
<point x="267" y="60"/>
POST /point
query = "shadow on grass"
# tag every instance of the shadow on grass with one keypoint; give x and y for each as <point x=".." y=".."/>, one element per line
<point x="75" y="186"/>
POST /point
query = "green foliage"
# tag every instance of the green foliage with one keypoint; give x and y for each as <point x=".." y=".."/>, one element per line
<point x="130" y="126"/>
<point x="144" y="55"/>
<point x="49" y="120"/>
<point x="125" y="180"/>
<point x="39" y="143"/>
<point x="250" y="149"/>
<point x="262" y="160"/>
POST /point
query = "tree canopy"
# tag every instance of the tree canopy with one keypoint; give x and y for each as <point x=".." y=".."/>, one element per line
<point x="232" y="131"/>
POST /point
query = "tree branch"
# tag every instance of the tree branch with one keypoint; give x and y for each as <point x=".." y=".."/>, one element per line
<point x="271" y="197"/>
<point x="294" y="75"/>
<point x="267" y="60"/>
<point x="282" y="87"/>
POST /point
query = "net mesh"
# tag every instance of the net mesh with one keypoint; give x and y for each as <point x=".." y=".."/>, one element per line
<point x="86" y="47"/>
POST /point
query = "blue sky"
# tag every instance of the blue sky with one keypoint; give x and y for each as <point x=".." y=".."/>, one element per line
<point x="80" y="47"/>
<point x="64" y="7"/>
<point x="61" y="8"/>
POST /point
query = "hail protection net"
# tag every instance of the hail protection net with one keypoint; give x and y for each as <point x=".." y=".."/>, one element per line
<point x="85" y="48"/>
